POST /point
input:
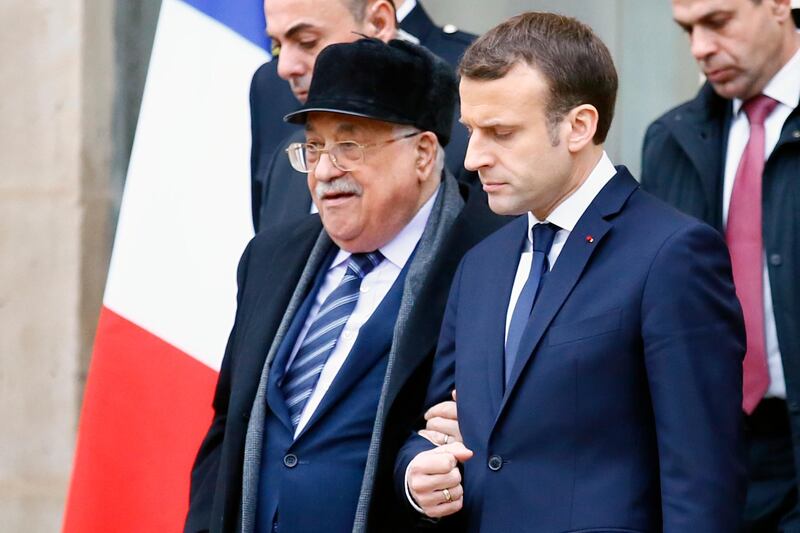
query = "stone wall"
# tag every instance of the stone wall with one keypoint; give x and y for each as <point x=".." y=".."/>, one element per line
<point x="56" y="81"/>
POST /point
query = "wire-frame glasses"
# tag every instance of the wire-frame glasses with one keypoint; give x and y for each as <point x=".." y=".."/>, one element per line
<point x="345" y="155"/>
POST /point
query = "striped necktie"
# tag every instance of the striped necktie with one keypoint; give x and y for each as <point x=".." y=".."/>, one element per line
<point x="324" y="332"/>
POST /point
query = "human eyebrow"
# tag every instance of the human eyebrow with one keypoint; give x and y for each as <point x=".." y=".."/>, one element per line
<point x="716" y="19"/>
<point x="347" y="128"/>
<point x="298" y="28"/>
<point x="685" y="26"/>
<point x="494" y="123"/>
<point x="713" y="19"/>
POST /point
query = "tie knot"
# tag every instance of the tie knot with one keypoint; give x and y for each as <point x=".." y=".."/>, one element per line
<point x="362" y="264"/>
<point x="543" y="235"/>
<point x="758" y="108"/>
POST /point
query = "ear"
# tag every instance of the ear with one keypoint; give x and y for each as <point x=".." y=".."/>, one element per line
<point x="582" y="122"/>
<point x="782" y="10"/>
<point x="425" y="156"/>
<point x="380" y="21"/>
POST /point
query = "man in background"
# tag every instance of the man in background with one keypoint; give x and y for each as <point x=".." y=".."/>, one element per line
<point x="299" y="30"/>
<point x="731" y="157"/>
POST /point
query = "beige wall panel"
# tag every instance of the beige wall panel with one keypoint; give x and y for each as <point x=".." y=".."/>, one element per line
<point x="57" y="86"/>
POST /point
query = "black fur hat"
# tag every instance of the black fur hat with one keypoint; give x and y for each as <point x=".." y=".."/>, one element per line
<point x="396" y="82"/>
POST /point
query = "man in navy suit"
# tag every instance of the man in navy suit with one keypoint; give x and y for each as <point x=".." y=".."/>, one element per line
<point x="338" y="315"/>
<point x="750" y="53"/>
<point x="299" y="30"/>
<point x="596" y="342"/>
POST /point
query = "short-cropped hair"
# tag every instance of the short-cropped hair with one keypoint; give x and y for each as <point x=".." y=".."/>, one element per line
<point x="358" y="8"/>
<point x="576" y="64"/>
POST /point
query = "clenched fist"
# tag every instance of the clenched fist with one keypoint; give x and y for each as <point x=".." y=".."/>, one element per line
<point x="434" y="480"/>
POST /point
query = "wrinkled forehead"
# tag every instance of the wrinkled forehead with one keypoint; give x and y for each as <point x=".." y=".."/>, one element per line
<point x="336" y="125"/>
<point x="284" y="17"/>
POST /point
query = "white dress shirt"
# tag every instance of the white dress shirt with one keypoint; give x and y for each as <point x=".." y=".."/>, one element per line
<point x="785" y="88"/>
<point x="405" y="9"/>
<point x="565" y="216"/>
<point x="374" y="288"/>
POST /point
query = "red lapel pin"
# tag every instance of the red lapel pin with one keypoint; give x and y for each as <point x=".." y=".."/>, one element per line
<point x="589" y="239"/>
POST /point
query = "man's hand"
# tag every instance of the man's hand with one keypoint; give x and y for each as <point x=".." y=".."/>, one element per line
<point x="434" y="480"/>
<point x="442" y="423"/>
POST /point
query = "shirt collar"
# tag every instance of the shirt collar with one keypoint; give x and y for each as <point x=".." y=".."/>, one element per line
<point x="569" y="211"/>
<point x="405" y="9"/>
<point x="398" y="250"/>
<point x="783" y="86"/>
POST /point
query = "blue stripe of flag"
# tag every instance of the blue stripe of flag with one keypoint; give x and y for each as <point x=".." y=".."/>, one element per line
<point x="245" y="17"/>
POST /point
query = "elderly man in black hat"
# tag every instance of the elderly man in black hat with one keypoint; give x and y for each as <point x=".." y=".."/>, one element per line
<point x="338" y="315"/>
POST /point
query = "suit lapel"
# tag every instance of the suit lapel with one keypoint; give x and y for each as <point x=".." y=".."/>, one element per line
<point x="789" y="131"/>
<point x="571" y="263"/>
<point x="373" y="342"/>
<point x="497" y="306"/>
<point x="275" y="397"/>
<point x="436" y="255"/>
<point x="265" y="316"/>
<point x="702" y="133"/>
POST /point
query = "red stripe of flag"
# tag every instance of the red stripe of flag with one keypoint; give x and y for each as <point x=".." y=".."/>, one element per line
<point x="146" y="408"/>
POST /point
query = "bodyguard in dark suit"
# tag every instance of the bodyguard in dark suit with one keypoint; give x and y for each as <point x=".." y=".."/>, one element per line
<point x="731" y="157"/>
<point x="595" y="342"/>
<point x="279" y="193"/>
<point x="338" y="315"/>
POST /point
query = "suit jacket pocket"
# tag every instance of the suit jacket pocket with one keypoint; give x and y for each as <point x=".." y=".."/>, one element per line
<point x="586" y="328"/>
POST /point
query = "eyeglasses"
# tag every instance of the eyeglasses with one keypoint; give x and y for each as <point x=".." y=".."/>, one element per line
<point x="345" y="155"/>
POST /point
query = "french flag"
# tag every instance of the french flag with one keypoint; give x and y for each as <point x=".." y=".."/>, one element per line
<point x="171" y="292"/>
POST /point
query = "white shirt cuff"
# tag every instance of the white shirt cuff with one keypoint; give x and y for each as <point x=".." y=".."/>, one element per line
<point x="408" y="494"/>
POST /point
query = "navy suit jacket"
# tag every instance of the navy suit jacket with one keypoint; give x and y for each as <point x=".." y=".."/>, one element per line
<point x="623" y="410"/>
<point x="331" y="450"/>
<point x="279" y="193"/>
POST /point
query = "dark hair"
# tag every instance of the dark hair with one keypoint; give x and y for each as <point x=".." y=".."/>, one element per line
<point x="575" y="62"/>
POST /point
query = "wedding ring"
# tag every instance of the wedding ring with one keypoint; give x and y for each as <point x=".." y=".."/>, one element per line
<point x="446" y="439"/>
<point x="447" y="497"/>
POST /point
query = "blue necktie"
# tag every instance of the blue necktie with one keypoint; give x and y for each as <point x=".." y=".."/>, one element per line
<point x="321" y="337"/>
<point x="543" y="235"/>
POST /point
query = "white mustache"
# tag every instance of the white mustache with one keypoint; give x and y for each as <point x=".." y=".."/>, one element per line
<point x="300" y="83"/>
<point x="337" y="186"/>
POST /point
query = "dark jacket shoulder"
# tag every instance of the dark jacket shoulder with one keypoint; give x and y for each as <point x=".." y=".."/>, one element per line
<point x="276" y="241"/>
<point x="706" y="106"/>
<point x="448" y="42"/>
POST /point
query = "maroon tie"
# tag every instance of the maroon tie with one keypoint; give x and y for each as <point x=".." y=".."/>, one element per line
<point x="743" y="233"/>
